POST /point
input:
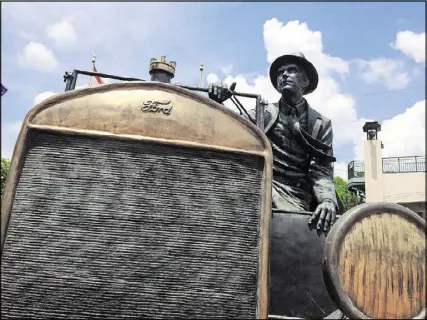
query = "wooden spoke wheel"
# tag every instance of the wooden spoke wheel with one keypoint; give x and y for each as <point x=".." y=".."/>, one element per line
<point x="374" y="263"/>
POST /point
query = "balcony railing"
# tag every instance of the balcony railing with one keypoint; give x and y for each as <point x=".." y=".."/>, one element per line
<point x="404" y="164"/>
<point x="356" y="169"/>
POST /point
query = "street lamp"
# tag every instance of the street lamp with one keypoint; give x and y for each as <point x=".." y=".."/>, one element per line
<point x="372" y="128"/>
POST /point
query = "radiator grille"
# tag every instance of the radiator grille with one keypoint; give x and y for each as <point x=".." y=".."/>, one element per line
<point x="103" y="228"/>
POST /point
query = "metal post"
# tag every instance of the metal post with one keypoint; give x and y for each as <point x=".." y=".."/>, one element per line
<point x="259" y="112"/>
<point x="68" y="77"/>
<point x="201" y="76"/>
<point x="74" y="80"/>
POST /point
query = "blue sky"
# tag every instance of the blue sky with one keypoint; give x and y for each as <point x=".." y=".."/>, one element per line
<point x="370" y="56"/>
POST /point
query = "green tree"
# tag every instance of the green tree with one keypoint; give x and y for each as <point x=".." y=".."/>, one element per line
<point x="349" y="199"/>
<point x="5" y="165"/>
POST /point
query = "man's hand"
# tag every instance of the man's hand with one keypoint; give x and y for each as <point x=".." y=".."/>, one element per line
<point x="327" y="212"/>
<point x="219" y="92"/>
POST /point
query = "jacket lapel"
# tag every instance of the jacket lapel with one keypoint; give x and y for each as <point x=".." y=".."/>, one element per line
<point x="270" y="116"/>
<point x="315" y="120"/>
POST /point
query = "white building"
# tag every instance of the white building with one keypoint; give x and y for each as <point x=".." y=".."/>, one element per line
<point x="399" y="180"/>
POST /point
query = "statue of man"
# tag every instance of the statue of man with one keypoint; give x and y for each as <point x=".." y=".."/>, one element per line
<point x="301" y="140"/>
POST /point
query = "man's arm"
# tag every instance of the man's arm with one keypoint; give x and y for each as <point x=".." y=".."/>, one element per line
<point x="322" y="173"/>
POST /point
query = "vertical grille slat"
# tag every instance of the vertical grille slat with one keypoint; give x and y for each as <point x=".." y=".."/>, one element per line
<point x="102" y="228"/>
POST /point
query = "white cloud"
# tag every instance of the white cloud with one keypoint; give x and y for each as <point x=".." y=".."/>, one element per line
<point x="47" y="94"/>
<point x="212" y="78"/>
<point x="328" y="99"/>
<point x="9" y="134"/>
<point x="359" y="140"/>
<point x="281" y="38"/>
<point x="384" y="71"/>
<point x="38" y="57"/>
<point x="227" y="69"/>
<point x="43" y="96"/>
<point x="62" y="33"/>
<point x="403" y="135"/>
<point x="27" y="35"/>
<point x="92" y="24"/>
<point x="411" y="44"/>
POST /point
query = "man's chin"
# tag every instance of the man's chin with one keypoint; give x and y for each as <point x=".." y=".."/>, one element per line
<point x="286" y="91"/>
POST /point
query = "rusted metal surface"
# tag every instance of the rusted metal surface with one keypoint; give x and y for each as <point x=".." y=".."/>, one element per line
<point x="374" y="262"/>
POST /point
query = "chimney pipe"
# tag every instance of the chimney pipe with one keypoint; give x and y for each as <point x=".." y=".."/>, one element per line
<point x="162" y="70"/>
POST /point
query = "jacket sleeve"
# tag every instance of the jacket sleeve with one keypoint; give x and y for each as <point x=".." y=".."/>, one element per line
<point x="322" y="173"/>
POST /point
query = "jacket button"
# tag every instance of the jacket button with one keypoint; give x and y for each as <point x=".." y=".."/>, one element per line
<point x="298" y="184"/>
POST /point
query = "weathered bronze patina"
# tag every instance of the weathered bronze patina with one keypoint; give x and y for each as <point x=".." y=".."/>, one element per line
<point x="161" y="106"/>
<point x="301" y="139"/>
<point x="135" y="207"/>
<point x="147" y="200"/>
<point x="374" y="263"/>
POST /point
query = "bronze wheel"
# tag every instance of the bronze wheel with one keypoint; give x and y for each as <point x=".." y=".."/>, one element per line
<point x="374" y="262"/>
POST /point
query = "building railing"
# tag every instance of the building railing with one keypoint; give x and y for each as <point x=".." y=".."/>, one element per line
<point x="356" y="169"/>
<point x="404" y="164"/>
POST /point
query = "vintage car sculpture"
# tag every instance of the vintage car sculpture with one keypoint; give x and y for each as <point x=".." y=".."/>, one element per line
<point x="143" y="199"/>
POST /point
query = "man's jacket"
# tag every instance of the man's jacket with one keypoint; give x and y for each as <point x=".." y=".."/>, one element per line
<point x="320" y="172"/>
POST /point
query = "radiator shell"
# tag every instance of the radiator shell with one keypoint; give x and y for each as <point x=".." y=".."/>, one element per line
<point x="168" y="227"/>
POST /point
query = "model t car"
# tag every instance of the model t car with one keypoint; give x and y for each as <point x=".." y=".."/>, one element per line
<point x="144" y="199"/>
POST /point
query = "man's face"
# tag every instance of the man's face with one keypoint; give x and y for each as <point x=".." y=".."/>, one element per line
<point x="290" y="78"/>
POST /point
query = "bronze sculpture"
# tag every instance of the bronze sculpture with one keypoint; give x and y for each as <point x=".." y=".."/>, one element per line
<point x="192" y="233"/>
<point x="301" y="139"/>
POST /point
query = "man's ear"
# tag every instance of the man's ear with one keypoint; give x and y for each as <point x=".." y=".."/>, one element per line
<point x="305" y="83"/>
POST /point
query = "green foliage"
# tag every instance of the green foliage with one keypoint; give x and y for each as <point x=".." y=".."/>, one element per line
<point x="5" y="165"/>
<point x="349" y="199"/>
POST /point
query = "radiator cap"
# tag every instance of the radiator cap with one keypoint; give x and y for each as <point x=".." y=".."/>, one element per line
<point x="162" y="70"/>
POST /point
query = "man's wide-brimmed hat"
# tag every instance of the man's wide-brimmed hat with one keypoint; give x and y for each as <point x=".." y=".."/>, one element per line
<point x="297" y="58"/>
